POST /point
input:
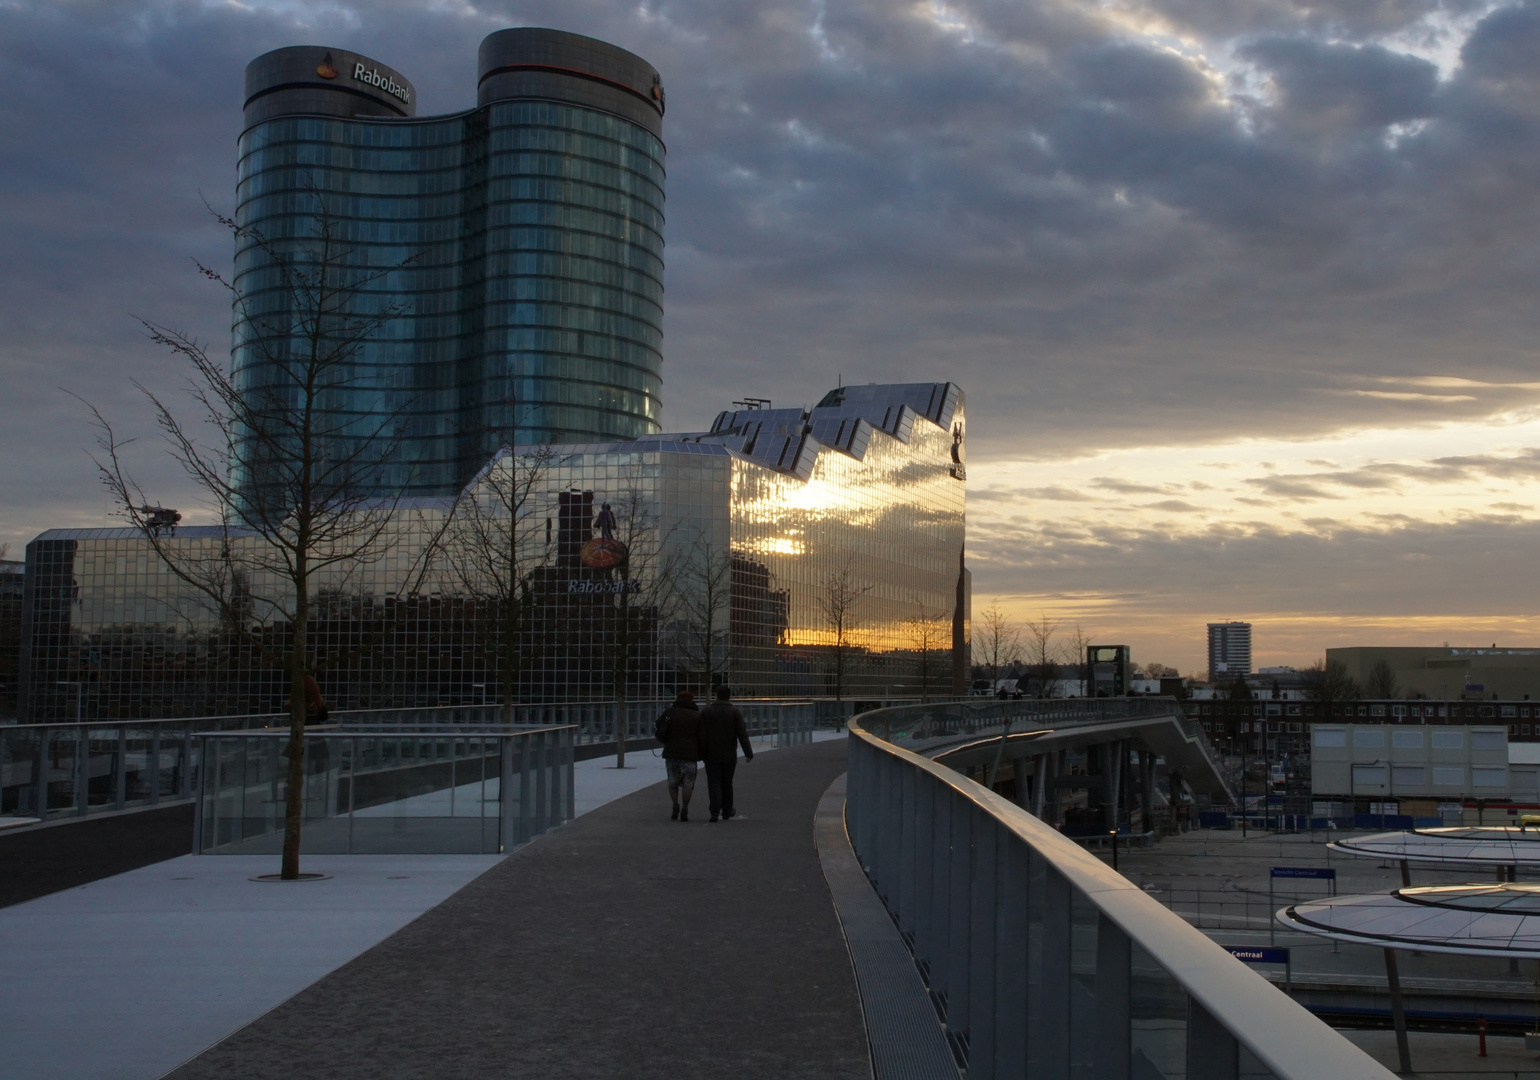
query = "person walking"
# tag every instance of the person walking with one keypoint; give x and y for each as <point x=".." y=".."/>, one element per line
<point x="678" y="730"/>
<point x="722" y="731"/>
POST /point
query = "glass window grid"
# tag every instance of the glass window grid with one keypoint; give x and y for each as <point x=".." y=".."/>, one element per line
<point x="106" y="614"/>
<point x="540" y="230"/>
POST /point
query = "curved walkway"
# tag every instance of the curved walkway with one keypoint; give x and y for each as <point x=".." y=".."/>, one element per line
<point x="620" y="945"/>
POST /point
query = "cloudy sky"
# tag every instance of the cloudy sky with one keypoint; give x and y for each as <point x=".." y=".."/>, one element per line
<point x="1242" y="292"/>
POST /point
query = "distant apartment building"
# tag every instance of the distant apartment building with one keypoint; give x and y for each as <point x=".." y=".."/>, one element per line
<point x="1229" y="650"/>
<point x="1445" y="673"/>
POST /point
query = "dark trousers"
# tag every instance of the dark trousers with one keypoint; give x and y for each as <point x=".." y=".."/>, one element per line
<point x="719" y="785"/>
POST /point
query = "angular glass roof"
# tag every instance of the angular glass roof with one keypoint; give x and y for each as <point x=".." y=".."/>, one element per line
<point x="1486" y="845"/>
<point x="1468" y="920"/>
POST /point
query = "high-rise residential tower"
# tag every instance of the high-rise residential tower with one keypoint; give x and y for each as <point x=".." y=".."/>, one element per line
<point x="1229" y="650"/>
<point x="519" y="246"/>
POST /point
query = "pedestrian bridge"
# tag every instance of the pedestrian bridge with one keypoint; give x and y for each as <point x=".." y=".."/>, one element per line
<point x="874" y="912"/>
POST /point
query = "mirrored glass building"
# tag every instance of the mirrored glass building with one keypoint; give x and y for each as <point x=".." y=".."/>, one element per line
<point x="736" y="539"/>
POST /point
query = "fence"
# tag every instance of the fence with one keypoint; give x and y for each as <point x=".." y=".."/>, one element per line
<point x="790" y="723"/>
<point x="979" y="716"/>
<point x="386" y="792"/>
<point x="1044" y="962"/>
<point x="59" y="770"/>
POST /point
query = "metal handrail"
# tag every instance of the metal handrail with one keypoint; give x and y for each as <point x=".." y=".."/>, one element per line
<point x="963" y="870"/>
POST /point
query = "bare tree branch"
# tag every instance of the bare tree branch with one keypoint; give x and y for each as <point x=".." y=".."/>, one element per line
<point x="307" y="497"/>
<point x="999" y="639"/>
<point x="839" y="602"/>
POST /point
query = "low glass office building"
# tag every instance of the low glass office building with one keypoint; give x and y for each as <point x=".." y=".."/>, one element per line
<point x="789" y="552"/>
<point x="506" y="261"/>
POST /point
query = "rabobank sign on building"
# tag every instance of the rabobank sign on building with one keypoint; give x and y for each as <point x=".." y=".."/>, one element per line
<point x="372" y="77"/>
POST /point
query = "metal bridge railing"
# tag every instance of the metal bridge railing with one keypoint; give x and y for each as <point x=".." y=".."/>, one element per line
<point x="68" y="770"/>
<point x="50" y="771"/>
<point x="479" y="791"/>
<point x="1046" y="963"/>
<point x="980" y="716"/>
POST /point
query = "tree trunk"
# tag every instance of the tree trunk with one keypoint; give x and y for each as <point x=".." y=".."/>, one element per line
<point x="294" y="787"/>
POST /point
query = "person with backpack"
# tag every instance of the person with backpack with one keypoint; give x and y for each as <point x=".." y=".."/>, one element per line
<point x="722" y="731"/>
<point x="678" y="729"/>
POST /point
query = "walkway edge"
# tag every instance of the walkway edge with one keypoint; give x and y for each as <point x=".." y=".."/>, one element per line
<point x="903" y="1035"/>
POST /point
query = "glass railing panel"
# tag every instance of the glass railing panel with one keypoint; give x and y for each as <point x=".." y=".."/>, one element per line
<point x="395" y="792"/>
<point x="102" y="763"/>
<point x="139" y="765"/>
<point x="1083" y="1014"/>
<point x="61" y="767"/>
<point x="428" y="795"/>
<point x="178" y="762"/>
<point x="1252" y="1069"/>
<point x="1038" y="1013"/>
<point x="1157" y="1013"/>
<point x="19" y="764"/>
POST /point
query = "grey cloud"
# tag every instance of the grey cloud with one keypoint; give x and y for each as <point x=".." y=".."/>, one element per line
<point x="1414" y="569"/>
<point x="1336" y="87"/>
<point x="1125" y="487"/>
<point x="1175" y="506"/>
<point x="1293" y="488"/>
<point x="1069" y="223"/>
<point x="1053" y="494"/>
<point x="1390" y="475"/>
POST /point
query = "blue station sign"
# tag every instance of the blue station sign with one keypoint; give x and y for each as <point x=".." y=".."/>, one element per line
<point x="1320" y="873"/>
<point x="1250" y="954"/>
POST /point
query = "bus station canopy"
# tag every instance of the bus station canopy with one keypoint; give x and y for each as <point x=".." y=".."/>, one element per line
<point x="1500" y="919"/>
<point x="1483" y="845"/>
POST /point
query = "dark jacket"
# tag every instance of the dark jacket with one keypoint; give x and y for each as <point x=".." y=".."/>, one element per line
<point x="681" y="725"/>
<point x="721" y="733"/>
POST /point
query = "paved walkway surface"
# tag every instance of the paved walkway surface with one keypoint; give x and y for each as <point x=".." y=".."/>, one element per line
<point x="621" y="945"/>
<point x="129" y="976"/>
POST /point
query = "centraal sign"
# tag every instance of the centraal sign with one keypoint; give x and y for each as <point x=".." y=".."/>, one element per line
<point x="372" y="77"/>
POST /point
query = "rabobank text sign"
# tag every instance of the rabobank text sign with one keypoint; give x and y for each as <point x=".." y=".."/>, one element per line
<point x="372" y="77"/>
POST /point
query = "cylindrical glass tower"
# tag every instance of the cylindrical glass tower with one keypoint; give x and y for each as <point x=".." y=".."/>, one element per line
<point x="512" y="255"/>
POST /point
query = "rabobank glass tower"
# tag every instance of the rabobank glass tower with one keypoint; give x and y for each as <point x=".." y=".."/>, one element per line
<point x="518" y="245"/>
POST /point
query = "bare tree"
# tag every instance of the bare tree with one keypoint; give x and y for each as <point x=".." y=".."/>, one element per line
<point x="1042" y="654"/>
<point x="930" y="632"/>
<point x="497" y="541"/>
<point x="703" y="613"/>
<point x="1383" y="683"/>
<point x="295" y="487"/>
<point x="839" y="603"/>
<point x="639" y="598"/>
<point x="1077" y="648"/>
<point x="999" y="639"/>
<point x="1329" y="681"/>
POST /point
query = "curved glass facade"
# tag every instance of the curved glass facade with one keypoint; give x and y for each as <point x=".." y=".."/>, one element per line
<point x="513" y="256"/>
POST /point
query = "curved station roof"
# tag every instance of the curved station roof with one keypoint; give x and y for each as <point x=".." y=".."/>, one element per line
<point x="1483" y="845"/>
<point x="1467" y="920"/>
